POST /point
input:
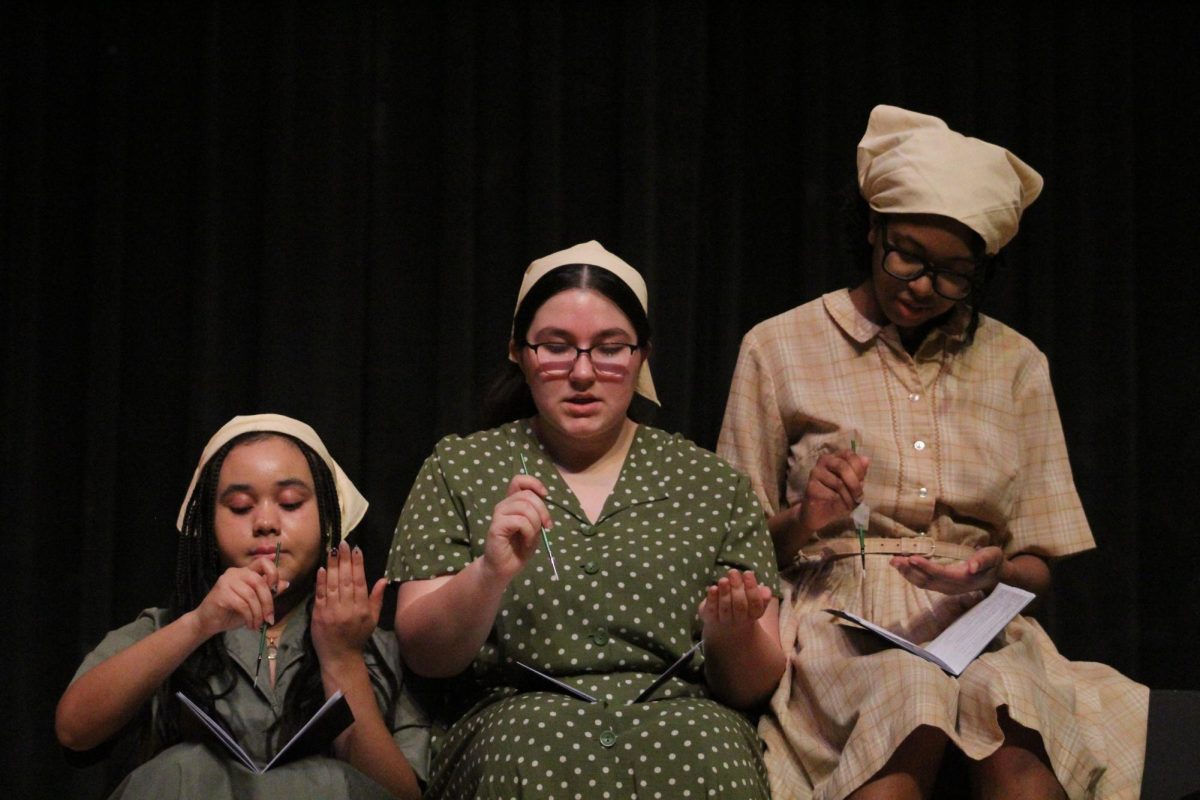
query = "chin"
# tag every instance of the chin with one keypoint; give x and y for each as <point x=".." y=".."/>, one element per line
<point x="904" y="317"/>
<point x="583" y="426"/>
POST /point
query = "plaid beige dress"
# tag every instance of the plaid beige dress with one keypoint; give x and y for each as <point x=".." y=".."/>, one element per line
<point x="965" y="445"/>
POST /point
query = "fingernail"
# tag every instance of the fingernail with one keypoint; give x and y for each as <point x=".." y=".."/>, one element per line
<point x="271" y="619"/>
<point x="333" y="552"/>
<point x="357" y="549"/>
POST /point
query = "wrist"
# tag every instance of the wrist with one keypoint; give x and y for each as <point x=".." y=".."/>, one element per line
<point x="343" y="667"/>
<point x="736" y="636"/>
<point x="493" y="578"/>
<point x="193" y="622"/>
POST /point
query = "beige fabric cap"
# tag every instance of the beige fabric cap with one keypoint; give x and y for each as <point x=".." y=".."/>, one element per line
<point x="593" y="254"/>
<point x="910" y="163"/>
<point x="353" y="505"/>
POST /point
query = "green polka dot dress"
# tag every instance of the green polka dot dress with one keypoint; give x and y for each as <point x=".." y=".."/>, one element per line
<point x="623" y="610"/>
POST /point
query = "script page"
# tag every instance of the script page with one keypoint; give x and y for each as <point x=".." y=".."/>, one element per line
<point x="958" y="645"/>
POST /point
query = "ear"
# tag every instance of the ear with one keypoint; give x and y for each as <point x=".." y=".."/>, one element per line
<point x="647" y="349"/>
<point x="514" y="352"/>
<point x="873" y="226"/>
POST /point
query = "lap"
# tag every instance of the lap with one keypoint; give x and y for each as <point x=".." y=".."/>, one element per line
<point x="192" y="770"/>
<point x="540" y="744"/>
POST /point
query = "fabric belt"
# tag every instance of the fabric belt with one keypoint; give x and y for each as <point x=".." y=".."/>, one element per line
<point x="830" y="549"/>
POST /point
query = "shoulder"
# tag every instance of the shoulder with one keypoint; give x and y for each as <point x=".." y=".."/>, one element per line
<point x="689" y="457"/>
<point x="478" y="448"/>
<point x="1000" y="348"/>
<point x="146" y="623"/>
<point x="813" y="330"/>
<point x="801" y="319"/>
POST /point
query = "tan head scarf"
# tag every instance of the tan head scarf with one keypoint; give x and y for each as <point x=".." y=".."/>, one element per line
<point x="592" y="253"/>
<point x="910" y="163"/>
<point x="353" y="505"/>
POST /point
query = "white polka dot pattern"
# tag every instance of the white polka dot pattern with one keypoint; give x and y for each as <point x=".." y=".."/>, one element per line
<point x="623" y="610"/>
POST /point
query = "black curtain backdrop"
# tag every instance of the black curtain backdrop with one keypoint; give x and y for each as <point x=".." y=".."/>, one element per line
<point x="324" y="210"/>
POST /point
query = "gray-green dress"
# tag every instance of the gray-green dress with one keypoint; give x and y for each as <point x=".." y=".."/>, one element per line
<point x="195" y="769"/>
<point x="623" y="609"/>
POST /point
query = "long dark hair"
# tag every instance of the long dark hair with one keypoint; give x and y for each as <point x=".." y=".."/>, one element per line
<point x="208" y="673"/>
<point x="857" y="221"/>
<point x="509" y="398"/>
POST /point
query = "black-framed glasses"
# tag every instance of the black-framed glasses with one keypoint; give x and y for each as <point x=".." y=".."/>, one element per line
<point x="952" y="284"/>
<point x="558" y="358"/>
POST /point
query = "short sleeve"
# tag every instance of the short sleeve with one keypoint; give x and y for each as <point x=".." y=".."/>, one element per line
<point x="124" y="637"/>
<point x="431" y="538"/>
<point x="753" y="436"/>
<point x="747" y="544"/>
<point x="1047" y="517"/>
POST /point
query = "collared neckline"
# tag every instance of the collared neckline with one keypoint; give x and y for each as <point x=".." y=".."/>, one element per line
<point x="242" y="646"/>
<point x="626" y="491"/>
<point x="841" y="309"/>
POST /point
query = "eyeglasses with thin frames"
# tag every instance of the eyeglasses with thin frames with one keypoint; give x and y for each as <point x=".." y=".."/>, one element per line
<point x="610" y="359"/>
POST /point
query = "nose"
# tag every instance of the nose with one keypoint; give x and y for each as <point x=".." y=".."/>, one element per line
<point x="922" y="285"/>
<point x="266" y="519"/>
<point x="582" y="370"/>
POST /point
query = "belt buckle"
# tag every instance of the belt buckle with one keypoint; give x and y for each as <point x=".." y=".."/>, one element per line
<point x="919" y="546"/>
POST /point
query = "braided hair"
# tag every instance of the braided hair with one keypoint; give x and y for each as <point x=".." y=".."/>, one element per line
<point x="208" y="673"/>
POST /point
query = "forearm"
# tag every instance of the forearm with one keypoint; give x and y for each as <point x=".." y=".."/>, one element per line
<point x="367" y="744"/>
<point x="788" y="534"/>
<point x="743" y="670"/>
<point x="103" y="700"/>
<point x="1028" y="572"/>
<point x="442" y="629"/>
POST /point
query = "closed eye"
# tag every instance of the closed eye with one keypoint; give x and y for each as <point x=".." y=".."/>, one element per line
<point x="612" y="350"/>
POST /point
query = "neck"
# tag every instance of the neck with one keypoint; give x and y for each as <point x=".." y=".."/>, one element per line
<point x="581" y="455"/>
<point x="863" y="298"/>
<point x="286" y="604"/>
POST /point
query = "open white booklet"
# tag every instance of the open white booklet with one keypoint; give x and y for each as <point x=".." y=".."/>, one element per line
<point x="958" y="645"/>
<point x="316" y="735"/>
<point x="643" y="696"/>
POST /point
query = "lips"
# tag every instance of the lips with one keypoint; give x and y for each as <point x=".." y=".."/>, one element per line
<point x="265" y="550"/>
<point x="912" y="309"/>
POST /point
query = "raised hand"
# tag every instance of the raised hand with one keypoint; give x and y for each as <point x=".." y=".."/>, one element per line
<point x="834" y="488"/>
<point x="516" y="522"/>
<point x="345" y="613"/>
<point x="733" y="605"/>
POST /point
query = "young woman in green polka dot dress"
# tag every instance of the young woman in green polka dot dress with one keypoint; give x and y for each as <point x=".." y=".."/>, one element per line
<point x="650" y="545"/>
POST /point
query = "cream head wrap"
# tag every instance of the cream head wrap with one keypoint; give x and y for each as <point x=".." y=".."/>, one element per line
<point x="353" y="505"/>
<point x="910" y="163"/>
<point x="593" y="254"/>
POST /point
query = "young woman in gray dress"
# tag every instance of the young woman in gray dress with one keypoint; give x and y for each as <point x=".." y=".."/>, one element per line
<point x="261" y="544"/>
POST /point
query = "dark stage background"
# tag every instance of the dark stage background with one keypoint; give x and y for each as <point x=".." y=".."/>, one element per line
<point x="324" y="210"/>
